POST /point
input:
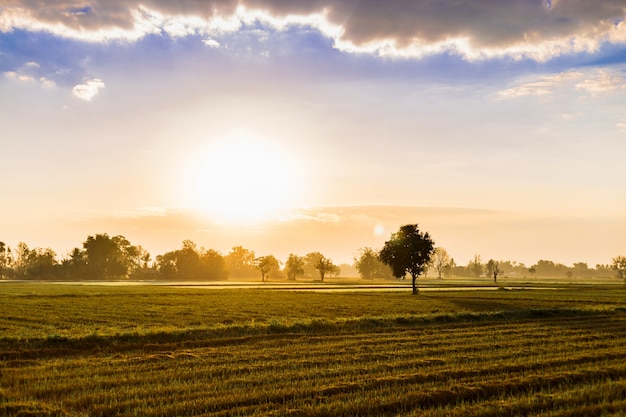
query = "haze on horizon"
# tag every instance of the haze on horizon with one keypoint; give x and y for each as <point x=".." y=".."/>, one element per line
<point x="319" y="125"/>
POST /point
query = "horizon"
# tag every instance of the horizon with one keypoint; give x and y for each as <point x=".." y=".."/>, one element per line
<point x="317" y="126"/>
<point x="368" y="226"/>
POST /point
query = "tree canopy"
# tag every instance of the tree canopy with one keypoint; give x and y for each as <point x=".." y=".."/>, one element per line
<point x="370" y="266"/>
<point x="408" y="251"/>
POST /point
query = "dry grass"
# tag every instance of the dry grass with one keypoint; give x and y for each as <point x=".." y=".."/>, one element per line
<point x="145" y="351"/>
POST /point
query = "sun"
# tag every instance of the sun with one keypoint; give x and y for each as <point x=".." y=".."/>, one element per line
<point x="241" y="178"/>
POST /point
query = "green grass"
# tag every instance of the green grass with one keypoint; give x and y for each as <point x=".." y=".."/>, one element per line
<point x="160" y="351"/>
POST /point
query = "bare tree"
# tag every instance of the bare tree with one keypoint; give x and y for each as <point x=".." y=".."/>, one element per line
<point x="441" y="261"/>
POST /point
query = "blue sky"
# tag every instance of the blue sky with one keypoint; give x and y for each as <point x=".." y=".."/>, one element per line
<point x="363" y="116"/>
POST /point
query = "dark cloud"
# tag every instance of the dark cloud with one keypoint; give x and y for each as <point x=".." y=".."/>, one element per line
<point x="483" y="25"/>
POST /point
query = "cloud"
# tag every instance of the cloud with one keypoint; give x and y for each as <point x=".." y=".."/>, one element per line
<point x="594" y="82"/>
<point x="212" y="43"/>
<point x="603" y="82"/>
<point x="621" y="125"/>
<point x="25" y="78"/>
<point x="88" y="90"/>
<point x="543" y="86"/>
<point x="474" y="29"/>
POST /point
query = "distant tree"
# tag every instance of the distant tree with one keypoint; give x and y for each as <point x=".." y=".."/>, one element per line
<point x="190" y="263"/>
<point x="408" y="251"/>
<point x="619" y="265"/>
<point x="451" y="269"/>
<point x="140" y="263"/>
<point x="106" y="257"/>
<point x="213" y="265"/>
<point x="266" y="264"/>
<point x="294" y="267"/>
<point x="549" y="269"/>
<point x="370" y="266"/>
<point x="602" y="270"/>
<point x="334" y="271"/>
<point x="166" y="265"/>
<point x="42" y="264"/>
<point x="240" y="262"/>
<point x="37" y="263"/>
<point x="320" y="263"/>
<point x="581" y="269"/>
<point x="475" y="267"/>
<point x="74" y="265"/>
<point x="5" y="261"/>
<point x="532" y="271"/>
<point x="20" y="263"/>
<point x="493" y="269"/>
<point x="441" y="261"/>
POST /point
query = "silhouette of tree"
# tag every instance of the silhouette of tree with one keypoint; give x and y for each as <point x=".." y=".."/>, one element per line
<point x="408" y="251"/>
<point x="240" y="262"/>
<point x="619" y="265"/>
<point x="266" y="264"/>
<point x="294" y="267"/>
<point x="5" y="261"/>
<point x="441" y="261"/>
<point x="322" y="264"/>
<point x="190" y="263"/>
<point x="493" y="269"/>
<point x="369" y="266"/>
<point x="475" y="267"/>
<point x="108" y="257"/>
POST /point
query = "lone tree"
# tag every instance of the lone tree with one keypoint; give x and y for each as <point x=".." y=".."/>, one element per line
<point x="294" y="267"/>
<point x="441" y="261"/>
<point x="475" y="267"/>
<point x="266" y="264"/>
<point x="322" y="264"/>
<point x="493" y="269"/>
<point x="619" y="265"/>
<point x="408" y="251"/>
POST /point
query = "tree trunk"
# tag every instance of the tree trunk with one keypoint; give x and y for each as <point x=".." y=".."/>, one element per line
<point x="415" y="289"/>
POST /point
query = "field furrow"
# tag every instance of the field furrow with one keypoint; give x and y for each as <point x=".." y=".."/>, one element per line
<point x="553" y="362"/>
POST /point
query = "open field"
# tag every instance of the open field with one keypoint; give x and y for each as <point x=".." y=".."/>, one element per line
<point x="163" y="351"/>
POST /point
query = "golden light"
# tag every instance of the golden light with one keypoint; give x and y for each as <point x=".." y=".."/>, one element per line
<point x="241" y="178"/>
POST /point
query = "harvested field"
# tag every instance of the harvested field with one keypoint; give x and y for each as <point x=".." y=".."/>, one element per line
<point x="76" y="351"/>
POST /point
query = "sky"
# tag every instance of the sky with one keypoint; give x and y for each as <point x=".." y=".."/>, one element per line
<point x="321" y="125"/>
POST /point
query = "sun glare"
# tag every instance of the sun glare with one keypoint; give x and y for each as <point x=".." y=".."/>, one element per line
<point x="241" y="178"/>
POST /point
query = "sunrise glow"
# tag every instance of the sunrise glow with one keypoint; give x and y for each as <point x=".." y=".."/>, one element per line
<point x="303" y="126"/>
<point x="240" y="178"/>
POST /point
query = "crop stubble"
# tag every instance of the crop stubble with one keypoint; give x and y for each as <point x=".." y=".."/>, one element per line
<point x="176" y="352"/>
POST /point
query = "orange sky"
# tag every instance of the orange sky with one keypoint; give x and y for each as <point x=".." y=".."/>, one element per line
<point x="308" y="126"/>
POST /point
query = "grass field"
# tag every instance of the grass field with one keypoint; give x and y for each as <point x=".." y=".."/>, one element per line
<point x="161" y="351"/>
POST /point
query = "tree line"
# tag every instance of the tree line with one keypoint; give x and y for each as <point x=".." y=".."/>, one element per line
<point x="408" y="252"/>
<point x="104" y="257"/>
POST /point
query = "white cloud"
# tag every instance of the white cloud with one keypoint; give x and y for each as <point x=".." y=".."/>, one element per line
<point x="24" y="78"/>
<point x="88" y="90"/>
<point x="602" y="82"/>
<point x="593" y="82"/>
<point x="543" y="86"/>
<point x="212" y="43"/>
<point x="47" y="83"/>
<point x="621" y="125"/>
